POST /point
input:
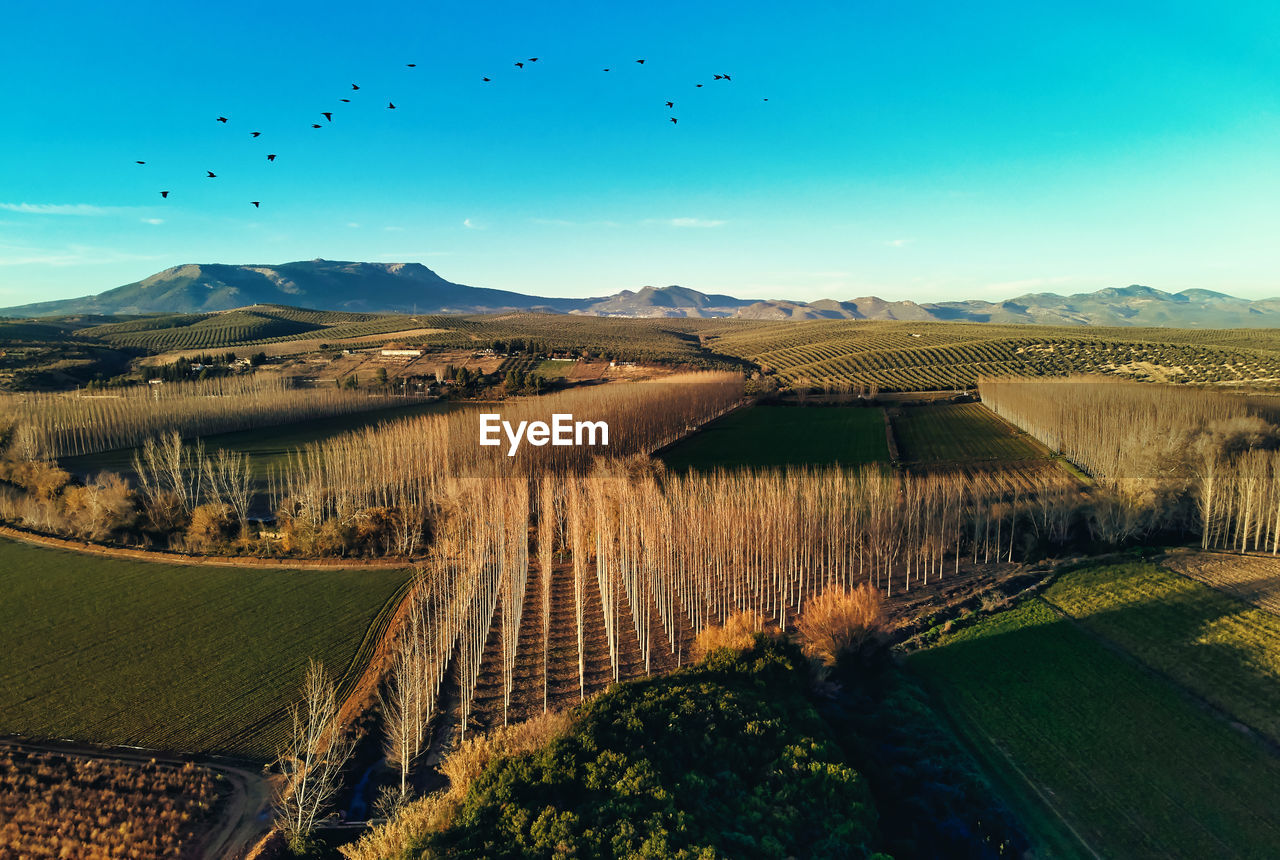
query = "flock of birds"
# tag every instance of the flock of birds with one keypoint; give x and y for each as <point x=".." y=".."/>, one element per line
<point x="328" y="116"/>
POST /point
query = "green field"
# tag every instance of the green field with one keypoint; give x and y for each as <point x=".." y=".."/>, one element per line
<point x="1220" y="648"/>
<point x="785" y="436"/>
<point x="269" y="446"/>
<point x="1091" y="747"/>
<point x="172" y="657"/>
<point x="958" y="432"/>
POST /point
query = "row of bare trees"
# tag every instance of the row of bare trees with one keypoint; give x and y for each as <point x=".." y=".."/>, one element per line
<point x="410" y="469"/>
<point x="1164" y="456"/>
<point x="664" y="556"/>
<point x="52" y="425"/>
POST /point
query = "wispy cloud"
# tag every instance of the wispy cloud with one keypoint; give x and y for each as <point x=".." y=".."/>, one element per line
<point x="72" y="255"/>
<point x="686" y="222"/>
<point x="898" y="243"/>
<point x="561" y="222"/>
<point x="471" y="225"/>
<point x="60" y="209"/>
<point x="352" y="224"/>
<point x="152" y="220"/>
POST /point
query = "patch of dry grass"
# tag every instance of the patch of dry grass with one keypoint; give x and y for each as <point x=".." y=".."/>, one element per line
<point x="837" y="624"/>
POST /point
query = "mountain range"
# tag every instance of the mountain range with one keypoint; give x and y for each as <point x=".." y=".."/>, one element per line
<point x="413" y="288"/>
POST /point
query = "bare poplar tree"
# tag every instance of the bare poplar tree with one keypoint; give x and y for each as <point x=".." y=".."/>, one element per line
<point x="313" y="756"/>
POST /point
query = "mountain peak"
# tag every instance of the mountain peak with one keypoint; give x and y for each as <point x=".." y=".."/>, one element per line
<point x="401" y="287"/>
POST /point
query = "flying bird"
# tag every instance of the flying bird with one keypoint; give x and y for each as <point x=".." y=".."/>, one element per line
<point x="641" y="62"/>
<point x="222" y="119"/>
<point x="673" y="120"/>
<point x="316" y="125"/>
<point x="718" y="77"/>
<point x="164" y="194"/>
<point x="726" y="77"/>
<point x="327" y="115"/>
<point x="606" y="70"/>
<point x="764" y="100"/>
<point x="271" y="157"/>
<point x="354" y="87"/>
<point x="255" y="204"/>
<point x="533" y="59"/>
<point x="391" y="106"/>
<point x="348" y="101"/>
<point x="671" y="104"/>
<point x="697" y="85"/>
<point x="139" y="162"/>
<point x="212" y="175"/>
<point x="519" y="65"/>
<point x="484" y="79"/>
<point x="411" y="65"/>
<point x="256" y="133"/>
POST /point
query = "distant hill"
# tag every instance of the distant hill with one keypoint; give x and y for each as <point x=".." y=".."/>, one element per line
<point x="411" y="287"/>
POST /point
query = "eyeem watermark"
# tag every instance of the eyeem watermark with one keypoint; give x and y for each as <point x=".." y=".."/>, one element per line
<point x="562" y="430"/>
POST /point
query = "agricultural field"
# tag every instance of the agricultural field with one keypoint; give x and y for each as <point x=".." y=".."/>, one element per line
<point x="904" y="356"/>
<point x="55" y="804"/>
<point x="1252" y="578"/>
<point x="1098" y="756"/>
<point x="764" y="436"/>
<point x="114" y="651"/>
<point x="939" y="433"/>
<point x="1223" y="650"/>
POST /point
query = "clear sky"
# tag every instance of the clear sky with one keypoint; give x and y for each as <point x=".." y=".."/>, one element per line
<point x="924" y="150"/>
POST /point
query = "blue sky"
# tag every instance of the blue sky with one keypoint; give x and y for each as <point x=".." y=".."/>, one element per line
<point x="907" y="149"/>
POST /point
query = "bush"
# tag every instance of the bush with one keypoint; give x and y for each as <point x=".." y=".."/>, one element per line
<point x="837" y="625"/>
<point x="737" y="634"/>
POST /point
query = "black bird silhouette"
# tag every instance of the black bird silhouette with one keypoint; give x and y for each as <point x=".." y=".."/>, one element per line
<point x="697" y="85"/>
<point x="164" y="194"/>
<point x="726" y="77"/>
<point x="391" y="106"/>
<point x="673" y="120"/>
<point x="348" y="101"/>
<point x="411" y="65"/>
<point x="718" y="77"/>
<point x="271" y="157"/>
<point x="212" y="175"/>
<point x="316" y="125"/>
<point x="606" y="70"/>
<point x="671" y="104"/>
<point x="764" y="100"/>
<point x="256" y="133"/>
<point x="255" y="204"/>
<point x="139" y="162"/>
<point x="327" y="115"/>
<point x="533" y="59"/>
<point x="354" y="87"/>
<point x="519" y="65"/>
<point x="641" y="62"/>
<point x="484" y="79"/>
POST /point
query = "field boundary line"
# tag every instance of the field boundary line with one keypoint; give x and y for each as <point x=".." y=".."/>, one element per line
<point x="161" y="556"/>
<point x="979" y="740"/>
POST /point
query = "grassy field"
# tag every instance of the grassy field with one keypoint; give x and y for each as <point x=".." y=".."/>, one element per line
<point x="1074" y="732"/>
<point x="785" y="436"/>
<point x="1218" y="647"/>
<point x="267" y="445"/>
<point x="167" y="656"/>
<point x="959" y="432"/>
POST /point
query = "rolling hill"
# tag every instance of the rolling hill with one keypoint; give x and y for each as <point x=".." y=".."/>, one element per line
<point x="413" y="288"/>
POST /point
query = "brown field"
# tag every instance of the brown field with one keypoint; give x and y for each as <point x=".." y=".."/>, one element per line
<point x="1254" y="578"/>
<point x="55" y="804"/>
